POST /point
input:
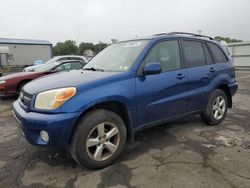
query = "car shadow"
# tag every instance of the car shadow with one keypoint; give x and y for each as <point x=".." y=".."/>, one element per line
<point x="156" y="137"/>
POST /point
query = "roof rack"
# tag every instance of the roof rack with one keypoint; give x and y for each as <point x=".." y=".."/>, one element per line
<point x="184" y="33"/>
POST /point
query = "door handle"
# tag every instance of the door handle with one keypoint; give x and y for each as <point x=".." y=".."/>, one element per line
<point x="212" y="69"/>
<point x="180" y="76"/>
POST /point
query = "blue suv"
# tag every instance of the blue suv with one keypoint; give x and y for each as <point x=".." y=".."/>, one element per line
<point x="129" y="86"/>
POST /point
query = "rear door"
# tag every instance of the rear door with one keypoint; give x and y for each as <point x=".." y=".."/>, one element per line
<point x="200" y="71"/>
<point x="162" y="96"/>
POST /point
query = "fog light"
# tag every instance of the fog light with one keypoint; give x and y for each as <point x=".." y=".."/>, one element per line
<point x="44" y="136"/>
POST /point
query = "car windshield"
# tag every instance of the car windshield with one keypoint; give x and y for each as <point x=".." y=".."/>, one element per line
<point x="47" y="67"/>
<point x="38" y="67"/>
<point x="117" y="57"/>
<point x="54" y="59"/>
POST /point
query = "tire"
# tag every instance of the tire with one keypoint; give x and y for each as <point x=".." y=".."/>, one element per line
<point x="88" y="139"/>
<point x="210" y="116"/>
<point x="20" y="86"/>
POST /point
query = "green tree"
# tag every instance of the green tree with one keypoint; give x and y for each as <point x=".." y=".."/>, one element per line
<point x="68" y="47"/>
<point x="227" y="39"/>
<point x="100" y="46"/>
<point x="96" y="48"/>
<point x="86" y="46"/>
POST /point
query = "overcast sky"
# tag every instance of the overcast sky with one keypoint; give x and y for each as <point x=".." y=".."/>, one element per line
<point x="101" y="20"/>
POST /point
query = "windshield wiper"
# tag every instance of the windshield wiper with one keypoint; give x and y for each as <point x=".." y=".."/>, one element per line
<point x="93" y="69"/>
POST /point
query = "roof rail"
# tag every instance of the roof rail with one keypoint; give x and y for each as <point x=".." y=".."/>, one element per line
<point x="160" y="34"/>
<point x="184" y="33"/>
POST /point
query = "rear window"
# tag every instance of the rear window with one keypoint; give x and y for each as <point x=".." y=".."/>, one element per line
<point x="193" y="53"/>
<point x="217" y="53"/>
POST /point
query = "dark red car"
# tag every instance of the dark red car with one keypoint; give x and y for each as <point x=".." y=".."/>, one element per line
<point x="13" y="83"/>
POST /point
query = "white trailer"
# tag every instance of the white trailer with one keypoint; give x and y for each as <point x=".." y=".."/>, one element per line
<point x="240" y="53"/>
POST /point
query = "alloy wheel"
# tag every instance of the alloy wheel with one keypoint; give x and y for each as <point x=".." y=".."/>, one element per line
<point x="103" y="141"/>
<point x="219" y="107"/>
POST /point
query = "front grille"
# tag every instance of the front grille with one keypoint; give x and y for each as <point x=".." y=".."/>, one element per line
<point x="25" y="99"/>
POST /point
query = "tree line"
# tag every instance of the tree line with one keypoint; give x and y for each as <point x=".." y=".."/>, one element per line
<point x="69" y="47"/>
<point x="227" y="39"/>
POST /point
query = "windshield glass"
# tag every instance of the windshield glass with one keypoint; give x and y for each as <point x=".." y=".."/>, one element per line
<point x="47" y="67"/>
<point x="117" y="57"/>
<point x="54" y="59"/>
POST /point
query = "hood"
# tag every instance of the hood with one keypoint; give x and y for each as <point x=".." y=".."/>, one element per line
<point x="18" y="75"/>
<point x="75" y="78"/>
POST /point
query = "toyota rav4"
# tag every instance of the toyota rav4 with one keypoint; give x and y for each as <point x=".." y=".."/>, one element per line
<point x="129" y="86"/>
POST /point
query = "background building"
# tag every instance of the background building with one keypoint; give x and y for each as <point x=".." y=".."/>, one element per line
<point x="23" y="52"/>
<point x="240" y="53"/>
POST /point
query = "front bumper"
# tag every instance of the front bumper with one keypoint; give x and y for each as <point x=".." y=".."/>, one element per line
<point x="58" y="126"/>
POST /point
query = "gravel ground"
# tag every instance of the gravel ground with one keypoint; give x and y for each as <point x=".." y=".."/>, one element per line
<point x="183" y="153"/>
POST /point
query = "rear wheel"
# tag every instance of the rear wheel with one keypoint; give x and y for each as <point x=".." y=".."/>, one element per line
<point x="216" y="109"/>
<point x="99" y="139"/>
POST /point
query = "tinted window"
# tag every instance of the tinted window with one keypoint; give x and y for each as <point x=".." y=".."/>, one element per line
<point x="218" y="54"/>
<point x="193" y="53"/>
<point x="167" y="54"/>
<point x="208" y="55"/>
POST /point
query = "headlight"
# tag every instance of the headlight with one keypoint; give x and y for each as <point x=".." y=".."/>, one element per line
<point x="53" y="99"/>
<point x="2" y="81"/>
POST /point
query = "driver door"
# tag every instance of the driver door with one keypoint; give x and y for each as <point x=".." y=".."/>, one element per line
<point x="162" y="96"/>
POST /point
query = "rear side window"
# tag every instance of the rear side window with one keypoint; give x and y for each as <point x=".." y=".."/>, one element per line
<point x="193" y="53"/>
<point x="167" y="54"/>
<point x="208" y="55"/>
<point x="217" y="53"/>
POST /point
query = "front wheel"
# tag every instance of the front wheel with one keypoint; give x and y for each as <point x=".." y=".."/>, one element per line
<point x="99" y="139"/>
<point x="216" y="109"/>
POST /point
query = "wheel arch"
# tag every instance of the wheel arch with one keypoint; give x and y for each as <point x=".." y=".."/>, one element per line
<point x="224" y="87"/>
<point x="21" y="82"/>
<point x="116" y="107"/>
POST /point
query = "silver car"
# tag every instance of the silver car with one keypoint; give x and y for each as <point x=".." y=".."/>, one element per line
<point x="54" y="59"/>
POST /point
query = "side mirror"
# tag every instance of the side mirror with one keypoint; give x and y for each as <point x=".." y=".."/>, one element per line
<point x="152" y="68"/>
